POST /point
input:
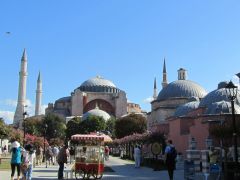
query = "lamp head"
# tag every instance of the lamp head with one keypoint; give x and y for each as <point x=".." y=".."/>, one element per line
<point x="231" y="90"/>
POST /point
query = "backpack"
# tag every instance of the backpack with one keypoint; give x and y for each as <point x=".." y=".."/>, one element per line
<point x="173" y="153"/>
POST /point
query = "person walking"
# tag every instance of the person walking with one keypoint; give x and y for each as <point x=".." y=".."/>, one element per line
<point x="39" y="155"/>
<point x="5" y="150"/>
<point x="72" y="154"/>
<point x="28" y="159"/>
<point x="106" y="153"/>
<point x="55" y="153"/>
<point x="61" y="159"/>
<point x="170" y="158"/>
<point x="16" y="151"/>
<point x="137" y="156"/>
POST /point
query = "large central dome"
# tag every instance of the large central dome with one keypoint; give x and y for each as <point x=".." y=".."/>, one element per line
<point x="182" y="89"/>
<point x="98" y="84"/>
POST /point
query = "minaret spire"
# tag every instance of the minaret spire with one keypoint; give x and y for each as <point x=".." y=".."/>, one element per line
<point x="38" y="96"/>
<point x="164" y="82"/>
<point x="18" y="116"/>
<point x="155" y="89"/>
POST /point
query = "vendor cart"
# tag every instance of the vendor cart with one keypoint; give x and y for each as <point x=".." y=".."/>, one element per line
<point x="89" y="155"/>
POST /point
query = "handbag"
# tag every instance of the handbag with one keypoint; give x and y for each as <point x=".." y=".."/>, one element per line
<point x="24" y="167"/>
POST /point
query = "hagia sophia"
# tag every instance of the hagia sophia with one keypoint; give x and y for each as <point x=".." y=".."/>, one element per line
<point x="96" y="96"/>
<point x="182" y="109"/>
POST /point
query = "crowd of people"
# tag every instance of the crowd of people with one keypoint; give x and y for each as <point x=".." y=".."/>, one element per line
<point x="24" y="158"/>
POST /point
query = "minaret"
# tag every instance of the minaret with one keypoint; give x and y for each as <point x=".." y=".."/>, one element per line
<point x="164" y="82"/>
<point x="38" y="96"/>
<point x="18" y="116"/>
<point x="155" y="90"/>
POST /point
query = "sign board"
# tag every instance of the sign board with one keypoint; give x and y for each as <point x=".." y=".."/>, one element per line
<point x="156" y="148"/>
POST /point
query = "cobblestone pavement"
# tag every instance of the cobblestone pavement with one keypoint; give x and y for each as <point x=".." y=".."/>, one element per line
<point x="123" y="170"/>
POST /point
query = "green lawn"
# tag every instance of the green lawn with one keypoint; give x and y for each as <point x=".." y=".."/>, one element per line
<point x="5" y="164"/>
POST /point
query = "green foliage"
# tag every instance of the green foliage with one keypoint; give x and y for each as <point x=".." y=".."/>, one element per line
<point x="92" y="124"/>
<point x="16" y="134"/>
<point x="133" y="123"/>
<point x="110" y="126"/>
<point x="4" y="129"/>
<point x="73" y="127"/>
<point x="33" y="126"/>
<point x="55" y="126"/>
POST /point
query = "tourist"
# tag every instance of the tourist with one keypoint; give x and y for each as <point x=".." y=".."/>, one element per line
<point x="72" y="154"/>
<point x="16" y="151"/>
<point x="170" y="158"/>
<point x="28" y="159"/>
<point x="61" y="159"/>
<point x="39" y="155"/>
<point x="137" y="156"/>
<point x="49" y="155"/>
<point x="213" y="156"/>
<point x="5" y="150"/>
<point x="55" y="151"/>
<point x="106" y="153"/>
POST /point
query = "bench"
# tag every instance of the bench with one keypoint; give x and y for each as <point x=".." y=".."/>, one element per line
<point x="2" y="158"/>
<point x="69" y="171"/>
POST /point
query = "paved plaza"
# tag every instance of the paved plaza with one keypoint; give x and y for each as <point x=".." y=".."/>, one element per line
<point x="123" y="169"/>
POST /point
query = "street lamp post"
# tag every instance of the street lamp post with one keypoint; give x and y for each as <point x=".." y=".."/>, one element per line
<point x="231" y="91"/>
<point x="55" y="135"/>
<point x="24" y="123"/>
<point x="44" y="144"/>
<point x="24" y="127"/>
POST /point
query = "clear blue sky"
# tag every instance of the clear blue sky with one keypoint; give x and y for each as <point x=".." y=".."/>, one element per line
<point x="122" y="40"/>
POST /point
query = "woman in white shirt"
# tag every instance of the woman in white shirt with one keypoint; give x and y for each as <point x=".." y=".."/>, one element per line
<point x="28" y="159"/>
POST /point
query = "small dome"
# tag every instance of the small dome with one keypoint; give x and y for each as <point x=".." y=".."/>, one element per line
<point x="98" y="84"/>
<point x="182" y="88"/>
<point x="217" y="96"/>
<point x="186" y="108"/>
<point x="96" y="112"/>
<point x="223" y="107"/>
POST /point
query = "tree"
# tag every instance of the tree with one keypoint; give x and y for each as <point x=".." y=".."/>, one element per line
<point x="34" y="126"/>
<point x="133" y="123"/>
<point x="92" y="124"/>
<point x="110" y="126"/>
<point x="224" y="132"/>
<point x="73" y="127"/>
<point x="55" y="126"/>
<point x="16" y="134"/>
<point x="4" y="129"/>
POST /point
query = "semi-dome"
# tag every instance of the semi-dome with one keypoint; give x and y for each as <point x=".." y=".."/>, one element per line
<point x="96" y="112"/>
<point x="223" y="107"/>
<point x="186" y="108"/>
<point x="98" y="84"/>
<point x="217" y="95"/>
<point x="182" y="89"/>
<point x="64" y="99"/>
